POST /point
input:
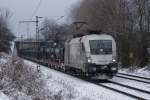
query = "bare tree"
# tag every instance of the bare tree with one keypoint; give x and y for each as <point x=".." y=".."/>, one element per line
<point x="5" y="34"/>
<point x="49" y="29"/>
<point x="127" y="19"/>
<point x="108" y="15"/>
<point x="52" y="31"/>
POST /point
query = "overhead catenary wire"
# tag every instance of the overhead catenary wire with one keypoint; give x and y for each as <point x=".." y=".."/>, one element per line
<point x="33" y="14"/>
<point x="36" y="9"/>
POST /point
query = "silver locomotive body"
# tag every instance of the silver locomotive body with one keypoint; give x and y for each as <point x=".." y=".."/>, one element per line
<point x="94" y="55"/>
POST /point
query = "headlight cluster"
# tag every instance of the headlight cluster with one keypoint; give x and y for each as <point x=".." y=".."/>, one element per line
<point x="89" y="60"/>
<point x="114" y="59"/>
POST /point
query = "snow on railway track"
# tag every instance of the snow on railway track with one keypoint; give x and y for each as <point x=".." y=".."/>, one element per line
<point x="134" y="92"/>
<point x="121" y="91"/>
<point x="130" y="91"/>
<point x="131" y="87"/>
<point x="135" y="78"/>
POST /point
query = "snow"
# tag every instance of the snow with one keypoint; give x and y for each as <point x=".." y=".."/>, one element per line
<point x="131" y="91"/>
<point x="144" y="72"/>
<point x="132" y="83"/>
<point x="75" y="88"/>
<point x="3" y="59"/>
<point x="71" y="88"/>
<point x="3" y="96"/>
<point x="145" y="80"/>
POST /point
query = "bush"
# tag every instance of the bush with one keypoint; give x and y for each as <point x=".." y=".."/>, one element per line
<point x="22" y="82"/>
<point x="6" y="36"/>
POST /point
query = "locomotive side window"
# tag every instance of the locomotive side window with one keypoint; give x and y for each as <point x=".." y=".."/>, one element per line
<point x="100" y="47"/>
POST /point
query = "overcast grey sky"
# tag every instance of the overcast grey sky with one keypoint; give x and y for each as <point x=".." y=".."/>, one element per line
<point x="23" y="10"/>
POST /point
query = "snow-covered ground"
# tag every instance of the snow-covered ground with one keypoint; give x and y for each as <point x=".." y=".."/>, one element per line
<point x="132" y="83"/>
<point x="145" y="72"/>
<point x="3" y="96"/>
<point x="3" y="60"/>
<point x="65" y="87"/>
<point x="75" y="88"/>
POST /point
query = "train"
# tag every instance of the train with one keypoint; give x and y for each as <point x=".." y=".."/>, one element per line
<point x="91" y="55"/>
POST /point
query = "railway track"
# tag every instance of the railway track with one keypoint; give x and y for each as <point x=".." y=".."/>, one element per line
<point x="134" y="78"/>
<point x="127" y="86"/>
<point x="129" y="91"/>
<point x="140" y="77"/>
<point x="122" y="92"/>
<point x="107" y="86"/>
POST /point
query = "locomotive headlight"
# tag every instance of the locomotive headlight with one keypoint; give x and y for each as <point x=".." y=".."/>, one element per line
<point x="113" y="59"/>
<point x="89" y="60"/>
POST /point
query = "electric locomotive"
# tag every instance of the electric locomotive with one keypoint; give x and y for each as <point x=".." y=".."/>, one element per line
<point x="93" y="55"/>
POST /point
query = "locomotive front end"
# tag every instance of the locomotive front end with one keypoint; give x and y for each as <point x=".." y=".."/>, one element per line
<point x="101" y="58"/>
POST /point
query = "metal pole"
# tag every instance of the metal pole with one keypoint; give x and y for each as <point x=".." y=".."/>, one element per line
<point x="37" y="41"/>
<point x="37" y="45"/>
<point x="37" y="29"/>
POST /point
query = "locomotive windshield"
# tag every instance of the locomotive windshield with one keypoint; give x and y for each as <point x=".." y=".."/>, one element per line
<point x="100" y="47"/>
